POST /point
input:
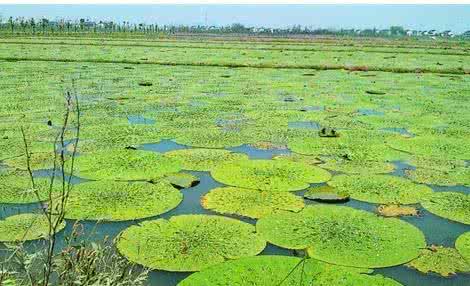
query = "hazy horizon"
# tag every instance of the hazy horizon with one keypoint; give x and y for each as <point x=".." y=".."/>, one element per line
<point x="419" y="17"/>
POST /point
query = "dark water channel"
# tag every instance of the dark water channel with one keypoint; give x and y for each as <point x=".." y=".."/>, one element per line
<point x="437" y="230"/>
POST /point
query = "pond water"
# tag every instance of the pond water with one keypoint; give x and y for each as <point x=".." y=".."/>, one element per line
<point x="437" y="230"/>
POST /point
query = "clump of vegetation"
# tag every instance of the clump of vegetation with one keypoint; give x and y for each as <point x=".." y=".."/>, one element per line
<point x="442" y="260"/>
<point x="188" y="242"/>
<point x="249" y="202"/>
<point x="450" y="205"/>
<point x="396" y="210"/>
<point x="283" y="270"/>
<point x="344" y="236"/>
<point x="381" y="189"/>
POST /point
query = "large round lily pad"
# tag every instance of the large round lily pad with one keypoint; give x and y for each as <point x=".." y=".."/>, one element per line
<point x="344" y="236"/>
<point x="326" y="194"/>
<point x="450" y="205"/>
<point x="249" y="202"/>
<point x="283" y="270"/>
<point x="381" y="189"/>
<point x="462" y="244"/>
<point x="271" y="175"/>
<point x="203" y="159"/>
<point x="442" y="260"/>
<point x="125" y="165"/>
<point x="117" y="201"/>
<point x="189" y="242"/>
<point x="16" y="187"/>
<point x="25" y="227"/>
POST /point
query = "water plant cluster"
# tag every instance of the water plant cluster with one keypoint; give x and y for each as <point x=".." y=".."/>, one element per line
<point x="354" y="135"/>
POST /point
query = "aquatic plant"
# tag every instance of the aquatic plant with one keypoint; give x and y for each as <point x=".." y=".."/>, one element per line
<point x="188" y="242"/>
<point x="442" y="260"/>
<point x="270" y="175"/>
<point x="382" y="189"/>
<point x="249" y="202"/>
<point x="27" y="226"/>
<point x="181" y="180"/>
<point x="462" y="244"/>
<point x="125" y="165"/>
<point x="449" y="205"/>
<point x="283" y="270"/>
<point x="16" y="187"/>
<point x="118" y="201"/>
<point x="203" y="159"/>
<point x="344" y="236"/>
<point x="396" y="210"/>
<point x="326" y="194"/>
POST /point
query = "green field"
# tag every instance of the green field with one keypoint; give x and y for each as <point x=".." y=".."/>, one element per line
<point x="399" y="110"/>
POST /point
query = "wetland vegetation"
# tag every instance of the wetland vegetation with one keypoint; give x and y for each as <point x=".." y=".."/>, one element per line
<point x="234" y="161"/>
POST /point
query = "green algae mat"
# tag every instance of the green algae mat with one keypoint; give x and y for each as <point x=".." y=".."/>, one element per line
<point x="344" y="236"/>
<point x="283" y="270"/>
<point x="269" y="175"/>
<point x="118" y="201"/>
<point x="189" y="242"/>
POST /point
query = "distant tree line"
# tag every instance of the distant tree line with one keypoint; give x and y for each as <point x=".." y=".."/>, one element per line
<point x="34" y="26"/>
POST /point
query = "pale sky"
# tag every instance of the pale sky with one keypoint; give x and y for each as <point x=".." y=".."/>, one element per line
<point x="420" y="17"/>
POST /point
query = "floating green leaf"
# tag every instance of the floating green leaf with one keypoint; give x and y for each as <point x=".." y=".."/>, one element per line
<point x="325" y="194"/>
<point x="381" y="189"/>
<point x="203" y="159"/>
<point x="270" y="175"/>
<point x="25" y="227"/>
<point x="249" y="202"/>
<point x="182" y="180"/>
<point x="344" y="236"/>
<point x="16" y="187"/>
<point x="462" y="244"/>
<point x="450" y="205"/>
<point x="283" y="271"/>
<point x="188" y="242"/>
<point x="442" y="260"/>
<point x="118" y="201"/>
<point x="125" y="165"/>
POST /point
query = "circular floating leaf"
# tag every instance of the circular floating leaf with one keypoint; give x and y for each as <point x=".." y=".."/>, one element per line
<point x="182" y="180"/>
<point x="449" y="205"/>
<point x="310" y="160"/>
<point x="203" y="159"/>
<point x="16" y="187"/>
<point x="325" y="194"/>
<point x="189" y="242"/>
<point x="450" y="177"/>
<point x="462" y="244"/>
<point x="433" y="146"/>
<point x="249" y="202"/>
<point x="270" y="175"/>
<point x="117" y="201"/>
<point x="125" y="165"/>
<point x="25" y="227"/>
<point x="283" y="270"/>
<point x="344" y="236"/>
<point x="358" y="167"/>
<point x="381" y="189"/>
<point x="442" y="260"/>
